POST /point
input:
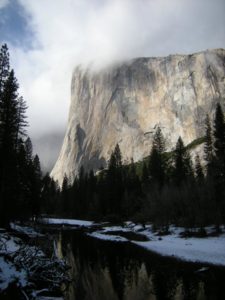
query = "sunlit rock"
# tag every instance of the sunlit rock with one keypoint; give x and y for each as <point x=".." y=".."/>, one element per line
<point x="125" y="103"/>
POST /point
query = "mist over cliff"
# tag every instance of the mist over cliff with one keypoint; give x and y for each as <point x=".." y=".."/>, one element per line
<point x="124" y="104"/>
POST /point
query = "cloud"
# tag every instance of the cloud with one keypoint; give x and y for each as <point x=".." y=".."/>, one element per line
<point x="3" y="3"/>
<point x="70" y="32"/>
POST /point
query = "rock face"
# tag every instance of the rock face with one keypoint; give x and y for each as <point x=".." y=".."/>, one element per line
<point x="125" y="103"/>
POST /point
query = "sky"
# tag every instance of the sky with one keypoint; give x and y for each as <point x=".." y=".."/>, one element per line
<point x="48" y="38"/>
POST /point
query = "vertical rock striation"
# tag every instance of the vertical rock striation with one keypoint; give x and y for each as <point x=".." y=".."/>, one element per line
<point x="125" y="103"/>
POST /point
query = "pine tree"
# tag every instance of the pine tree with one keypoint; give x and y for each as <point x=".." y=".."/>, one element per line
<point x="132" y="175"/>
<point x="29" y="181"/>
<point x="198" y="169"/>
<point x="219" y="168"/>
<point x="4" y="67"/>
<point x="23" y="190"/>
<point x="15" y="167"/>
<point x="159" y="141"/>
<point x="65" y="195"/>
<point x="29" y="150"/>
<point x="115" y="161"/>
<point x="35" y="186"/>
<point x="49" y="195"/>
<point x="21" y="118"/>
<point x="92" y="181"/>
<point x="182" y="163"/>
<point x="92" y="204"/>
<point x="115" y="181"/>
<point x="9" y="115"/>
<point x="155" y="169"/>
<point x="132" y="187"/>
<point x="219" y="141"/>
<point x="145" y="175"/>
<point x="157" y="162"/>
<point x="9" y="180"/>
<point x="4" y="73"/>
<point x="208" y="146"/>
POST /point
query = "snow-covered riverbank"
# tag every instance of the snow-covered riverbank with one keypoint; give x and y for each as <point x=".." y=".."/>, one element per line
<point x="8" y="271"/>
<point x="210" y="249"/>
<point x="26" y="272"/>
<point x="207" y="250"/>
<point x="69" y="222"/>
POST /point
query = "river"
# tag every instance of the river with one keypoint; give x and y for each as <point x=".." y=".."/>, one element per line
<point x="104" y="270"/>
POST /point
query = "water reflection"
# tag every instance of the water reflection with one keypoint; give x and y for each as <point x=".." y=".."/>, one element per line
<point x="112" y="271"/>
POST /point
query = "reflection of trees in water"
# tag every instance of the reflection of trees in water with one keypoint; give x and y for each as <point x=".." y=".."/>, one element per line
<point x="189" y="288"/>
<point x="113" y="271"/>
<point x="164" y="285"/>
<point x="99" y="268"/>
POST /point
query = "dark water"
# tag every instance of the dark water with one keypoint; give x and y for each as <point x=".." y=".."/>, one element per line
<point x="120" y="271"/>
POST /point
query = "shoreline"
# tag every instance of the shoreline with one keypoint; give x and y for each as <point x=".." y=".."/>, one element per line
<point x="206" y="250"/>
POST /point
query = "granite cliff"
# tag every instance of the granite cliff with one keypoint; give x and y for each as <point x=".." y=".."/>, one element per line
<point x="124" y="104"/>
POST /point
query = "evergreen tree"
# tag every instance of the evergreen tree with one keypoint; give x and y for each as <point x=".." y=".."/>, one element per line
<point x="132" y="190"/>
<point x="208" y="146"/>
<point x="29" y="176"/>
<point x="65" y="195"/>
<point x="4" y="73"/>
<point x="4" y="67"/>
<point x="155" y="167"/>
<point x="9" y="180"/>
<point x="22" y="204"/>
<point x="198" y="169"/>
<point x="115" y="181"/>
<point x="132" y="175"/>
<point x="219" y="168"/>
<point x="92" y="203"/>
<point x="182" y="163"/>
<point x="35" y="186"/>
<point x="92" y="181"/>
<point x="157" y="162"/>
<point x="21" y="118"/>
<point x="144" y="175"/>
<point x="25" y="175"/>
<point x="16" y="166"/>
<point x="9" y="115"/>
<point x="115" y="161"/>
<point x="219" y="141"/>
<point x="159" y="141"/>
<point x="49" y="196"/>
<point x="29" y="150"/>
<point x="81" y="195"/>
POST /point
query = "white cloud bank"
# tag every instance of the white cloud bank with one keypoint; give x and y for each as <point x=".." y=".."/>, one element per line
<point x="71" y="32"/>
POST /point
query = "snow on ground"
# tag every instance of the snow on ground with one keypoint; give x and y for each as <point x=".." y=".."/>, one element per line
<point x="36" y="295"/>
<point x="107" y="237"/>
<point x="114" y="228"/>
<point x="8" y="274"/>
<point x="104" y="233"/>
<point x="207" y="250"/>
<point x="49" y="298"/>
<point x="131" y="228"/>
<point x="25" y="230"/>
<point x="8" y="244"/>
<point x="22" y="263"/>
<point x="71" y="222"/>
